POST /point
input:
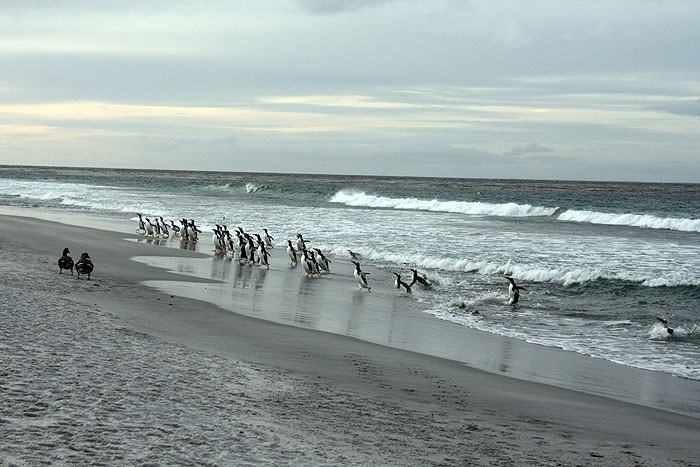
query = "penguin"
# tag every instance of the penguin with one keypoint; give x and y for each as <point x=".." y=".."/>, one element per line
<point x="141" y="224"/>
<point x="354" y="255"/>
<point x="230" y="245"/>
<point x="323" y="262"/>
<point x="156" y="228"/>
<point x="249" y="244"/>
<point x="185" y="232"/>
<point x="294" y="260"/>
<point x="307" y="263"/>
<point x="513" y="291"/>
<point x="65" y="262"/>
<point x="215" y="236"/>
<point x="420" y="279"/>
<point x="665" y="324"/>
<point x="84" y="266"/>
<point x="313" y="262"/>
<point x="268" y="239"/>
<point x="398" y="283"/>
<point x="218" y="240"/>
<point x="361" y="277"/>
<point x="193" y="230"/>
<point x="149" y="227"/>
<point x="174" y="228"/>
<point x="301" y="243"/>
<point x="164" y="228"/>
<point x="263" y="256"/>
<point x="241" y="248"/>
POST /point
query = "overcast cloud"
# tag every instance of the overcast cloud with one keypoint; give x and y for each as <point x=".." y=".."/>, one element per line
<point x="597" y="90"/>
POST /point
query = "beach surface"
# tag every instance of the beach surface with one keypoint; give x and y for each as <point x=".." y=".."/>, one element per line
<point x="114" y="371"/>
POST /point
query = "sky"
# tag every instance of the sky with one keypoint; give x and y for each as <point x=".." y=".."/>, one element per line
<point x="558" y="89"/>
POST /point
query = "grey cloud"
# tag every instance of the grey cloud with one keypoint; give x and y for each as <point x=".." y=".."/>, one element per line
<point x="531" y="148"/>
<point x="337" y="6"/>
<point x="686" y="107"/>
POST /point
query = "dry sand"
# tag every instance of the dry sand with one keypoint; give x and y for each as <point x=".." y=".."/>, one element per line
<point x="111" y="371"/>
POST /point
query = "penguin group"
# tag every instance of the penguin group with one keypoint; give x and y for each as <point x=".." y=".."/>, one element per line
<point x="187" y="230"/>
<point x="243" y="246"/>
<point x="313" y="261"/>
<point x="83" y="266"/>
<point x="253" y="248"/>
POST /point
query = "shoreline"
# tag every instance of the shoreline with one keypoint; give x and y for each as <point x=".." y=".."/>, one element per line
<point x="475" y="348"/>
<point x="535" y="416"/>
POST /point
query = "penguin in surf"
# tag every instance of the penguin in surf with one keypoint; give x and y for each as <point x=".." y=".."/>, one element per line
<point x="665" y="325"/>
<point x="513" y="291"/>
<point x="398" y="283"/>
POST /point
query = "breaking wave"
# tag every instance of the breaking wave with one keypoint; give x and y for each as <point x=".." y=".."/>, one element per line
<point x="253" y="188"/>
<point x="522" y="272"/>
<point x="633" y="220"/>
<point x="351" y="198"/>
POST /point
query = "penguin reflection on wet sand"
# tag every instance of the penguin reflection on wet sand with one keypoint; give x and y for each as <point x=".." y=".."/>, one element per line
<point x="513" y="291"/>
<point x="84" y="266"/>
<point x="65" y="262"/>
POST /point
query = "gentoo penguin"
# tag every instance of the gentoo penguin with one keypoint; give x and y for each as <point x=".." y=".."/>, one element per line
<point x="149" y="227"/>
<point x="174" y="228"/>
<point x="354" y="255"/>
<point x="268" y="239"/>
<point x="292" y="254"/>
<point x="513" y="291"/>
<point x="185" y="232"/>
<point x="193" y="232"/>
<point x="238" y="249"/>
<point x="65" y="262"/>
<point x="361" y="277"/>
<point x="665" y="323"/>
<point x="249" y="252"/>
<point x="215" y="236"/>
<point x="156" y="227"/>
<point x="84" y="266"/>
<point x="263" y="256"/>
<point x="313" y="262"/>
<point x="229" y="242"/>
<point x="420" y="279"/>
<point x="301" y="243"/>
<point x="307" y="263"/>
<point x="218" y="240"/>
<point x="241" y="247"/>
<point x="324" y="263"/>
<point x="164" y="228"/>
<point x="142" y="226"/>
<point x="398" y="283"/>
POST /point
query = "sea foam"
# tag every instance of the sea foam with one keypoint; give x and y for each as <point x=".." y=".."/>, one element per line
<point x="355" y="198"/>
<point x="632" y="220"/>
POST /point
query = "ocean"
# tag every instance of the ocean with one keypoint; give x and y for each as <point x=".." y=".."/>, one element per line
<point x="600" y="261"/>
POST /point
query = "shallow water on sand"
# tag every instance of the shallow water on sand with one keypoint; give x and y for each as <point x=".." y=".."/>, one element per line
<point x="332" y="303"/>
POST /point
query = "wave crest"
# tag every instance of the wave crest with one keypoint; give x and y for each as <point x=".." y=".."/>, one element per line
<point x="362" y="199"/>
<point x="633" y="220"/>
<point x="253" y="188"/>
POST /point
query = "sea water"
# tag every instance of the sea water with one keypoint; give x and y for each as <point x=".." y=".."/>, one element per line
<point x="599" y="261"/>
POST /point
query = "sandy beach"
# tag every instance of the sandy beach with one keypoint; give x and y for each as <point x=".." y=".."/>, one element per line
<point x="114" y="371"/>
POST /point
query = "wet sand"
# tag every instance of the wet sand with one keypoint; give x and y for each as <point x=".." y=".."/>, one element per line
<point x="114" y="371"/>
